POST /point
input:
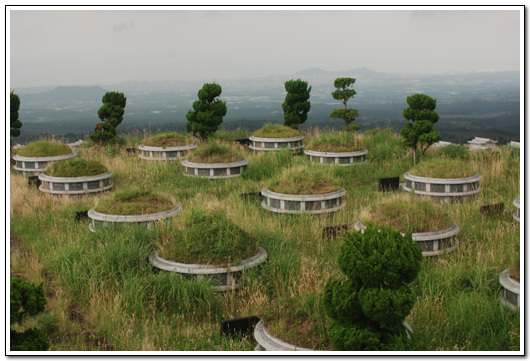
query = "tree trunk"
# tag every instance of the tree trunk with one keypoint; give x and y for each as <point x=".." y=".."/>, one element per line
<point x="414" y="155"/>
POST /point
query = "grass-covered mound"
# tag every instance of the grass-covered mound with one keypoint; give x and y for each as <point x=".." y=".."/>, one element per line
<point x="304" y="181"/>
<point x="205" y="237"/>
<point x="165" y="140"/>
<point x="276" y="131"/>
<point x="45" y="148"/>
<point x="407" y="214"/>
<point x="300" y="321"/>
<point x="133" y="201"/>
<point x="75" y="167"/>
<point x="443" y="168"/>
<point x="213" y="152"/>
<point x="337" y="142"/>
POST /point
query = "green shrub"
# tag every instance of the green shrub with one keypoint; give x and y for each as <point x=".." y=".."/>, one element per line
<point x="45" y="148"/>
<point x="368" y="308"/>
<point x="205" y="237"/>
<point x="276" y="131"/>
<point x="27" y="299"/>
<point x="75" y="167"/>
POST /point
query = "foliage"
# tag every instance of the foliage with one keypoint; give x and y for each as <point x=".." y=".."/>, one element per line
<point x="305" y="180"/>
<point x="207" y="113"/>
<point x="75" y="167"/>
<point x="132" y="201"/>
<point x="45" y="148"/>
<point x="443" y="168"/>
<point x="418" y="132"/>
<point x="15" y="123"/>
<point x="27" y="299"/>
<point x="167" y="140"/>
<point x="276" y="131"/>
<point x="369" y="307"/>
<point x="405" y="213"/>
<point x="215" y="152"/>
<point x="206" y="237"/>
<point x="111" y="115"/>
<point x="296" y="104"/>
<point x="337" y="142"/>
<point x="344" y="93"/>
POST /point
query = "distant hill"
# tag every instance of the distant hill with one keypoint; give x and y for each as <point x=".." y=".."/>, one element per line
<point x="351" y="72"/>
<point x="67" y="93"/>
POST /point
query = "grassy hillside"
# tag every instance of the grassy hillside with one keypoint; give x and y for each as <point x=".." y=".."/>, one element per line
<point x="104" y="295"/>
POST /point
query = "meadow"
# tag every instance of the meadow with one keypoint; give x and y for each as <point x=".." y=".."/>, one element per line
<point x="103" y="295"/>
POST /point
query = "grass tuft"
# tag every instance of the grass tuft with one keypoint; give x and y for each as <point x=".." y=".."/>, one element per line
<point x="215" y="152"/>
<point x="276" y="131"/>
<point x="75" y="167"/>
<point x="45" y="148"/>
<point x="443" y="168"/>
<point x="168" y="140"/>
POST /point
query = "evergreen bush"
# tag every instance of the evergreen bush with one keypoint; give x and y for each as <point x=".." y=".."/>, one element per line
<point x="368" y="308"/>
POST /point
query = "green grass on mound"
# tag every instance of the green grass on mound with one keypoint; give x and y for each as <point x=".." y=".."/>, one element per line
<point x="407" y="214"/>
<point x="213" y="152"/>
<point x="45" y="148"/>
<point x="276" y="131"/>
<point x="205" y="237"/>
<point x="443" y="168"/>
<point x="337" y="142"/>
<point x="133" y="202"/>
<point x="75" y="167"/>
<point x="305" y="181"/>
<point x="168" y="140"/>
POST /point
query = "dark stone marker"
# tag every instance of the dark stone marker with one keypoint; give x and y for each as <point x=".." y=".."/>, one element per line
<point x="243" y="326"/>
<point x="334" y="231"/>
<point x="251" y="195"/>
<point x="388" y="184"/>
<point x="131" y="150"/>
<point x="492" y="209"/>
<point x="34" y="180"/>
<point x="243" y="141"/>
<point x="81" y="215"/>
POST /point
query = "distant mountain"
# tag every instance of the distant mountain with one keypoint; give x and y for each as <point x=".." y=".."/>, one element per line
<point x="67" y="93"/>
<point x="351" y="72"/>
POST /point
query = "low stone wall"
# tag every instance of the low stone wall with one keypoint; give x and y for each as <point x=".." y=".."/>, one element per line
<point x="225" y="278"/>
<point x="517" y="213"/>
<point x="168" y="153"/>
<point x="28" y="166"/>
<point x="510" y="290"/>
<point x="102" y="219"/>
<point x="215" y="170"/>
<point x="297" y="204"/>
<point x="447" y="190"/>
<point x="75" y="185"/>
<point x="342" y="158"/>
<point x="430" y="243"/>
<point x="273" y="144"/>
<point x="267" y="342"/>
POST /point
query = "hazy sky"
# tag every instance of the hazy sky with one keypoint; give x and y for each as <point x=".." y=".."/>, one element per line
<point x="101" y="46"/>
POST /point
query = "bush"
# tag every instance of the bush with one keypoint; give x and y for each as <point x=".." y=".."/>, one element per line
<point x="369" y="307"/>
<point x="27" y="299"/>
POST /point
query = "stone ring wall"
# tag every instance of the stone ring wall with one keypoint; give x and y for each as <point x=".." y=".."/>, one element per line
<point x="274" y="144"/>
<point x="75" y="185"/>
<point x="446" y="189"/>
<point x="168" y="153"/>
<point x="28" y="166"/>
<point x="215" y="170"/>
<point x="342" y="158"/>
<point x="297" y="204"/>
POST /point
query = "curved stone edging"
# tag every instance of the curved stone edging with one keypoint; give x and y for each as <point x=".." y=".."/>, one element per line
<point x="338" y="158"/>
<point x="168" y="153"/>
<point x="517" y="213"/>
<point x="430" y="243"/>
<point x="297" y="204"/>
<point x="28" y="166"/>
<point x="147" y="220"/>
<point x="510" y="290"/>
<point x="447" y="189"/>
<point x="273" y="144"/>
<point x="267" y="342"/>
<point x="225" y="276"/>
<point x="215" y="170"/>
<point x="75" y="185"/>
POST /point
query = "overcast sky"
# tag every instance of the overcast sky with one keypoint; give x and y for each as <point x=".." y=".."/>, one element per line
<point x="98" y="47"/>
